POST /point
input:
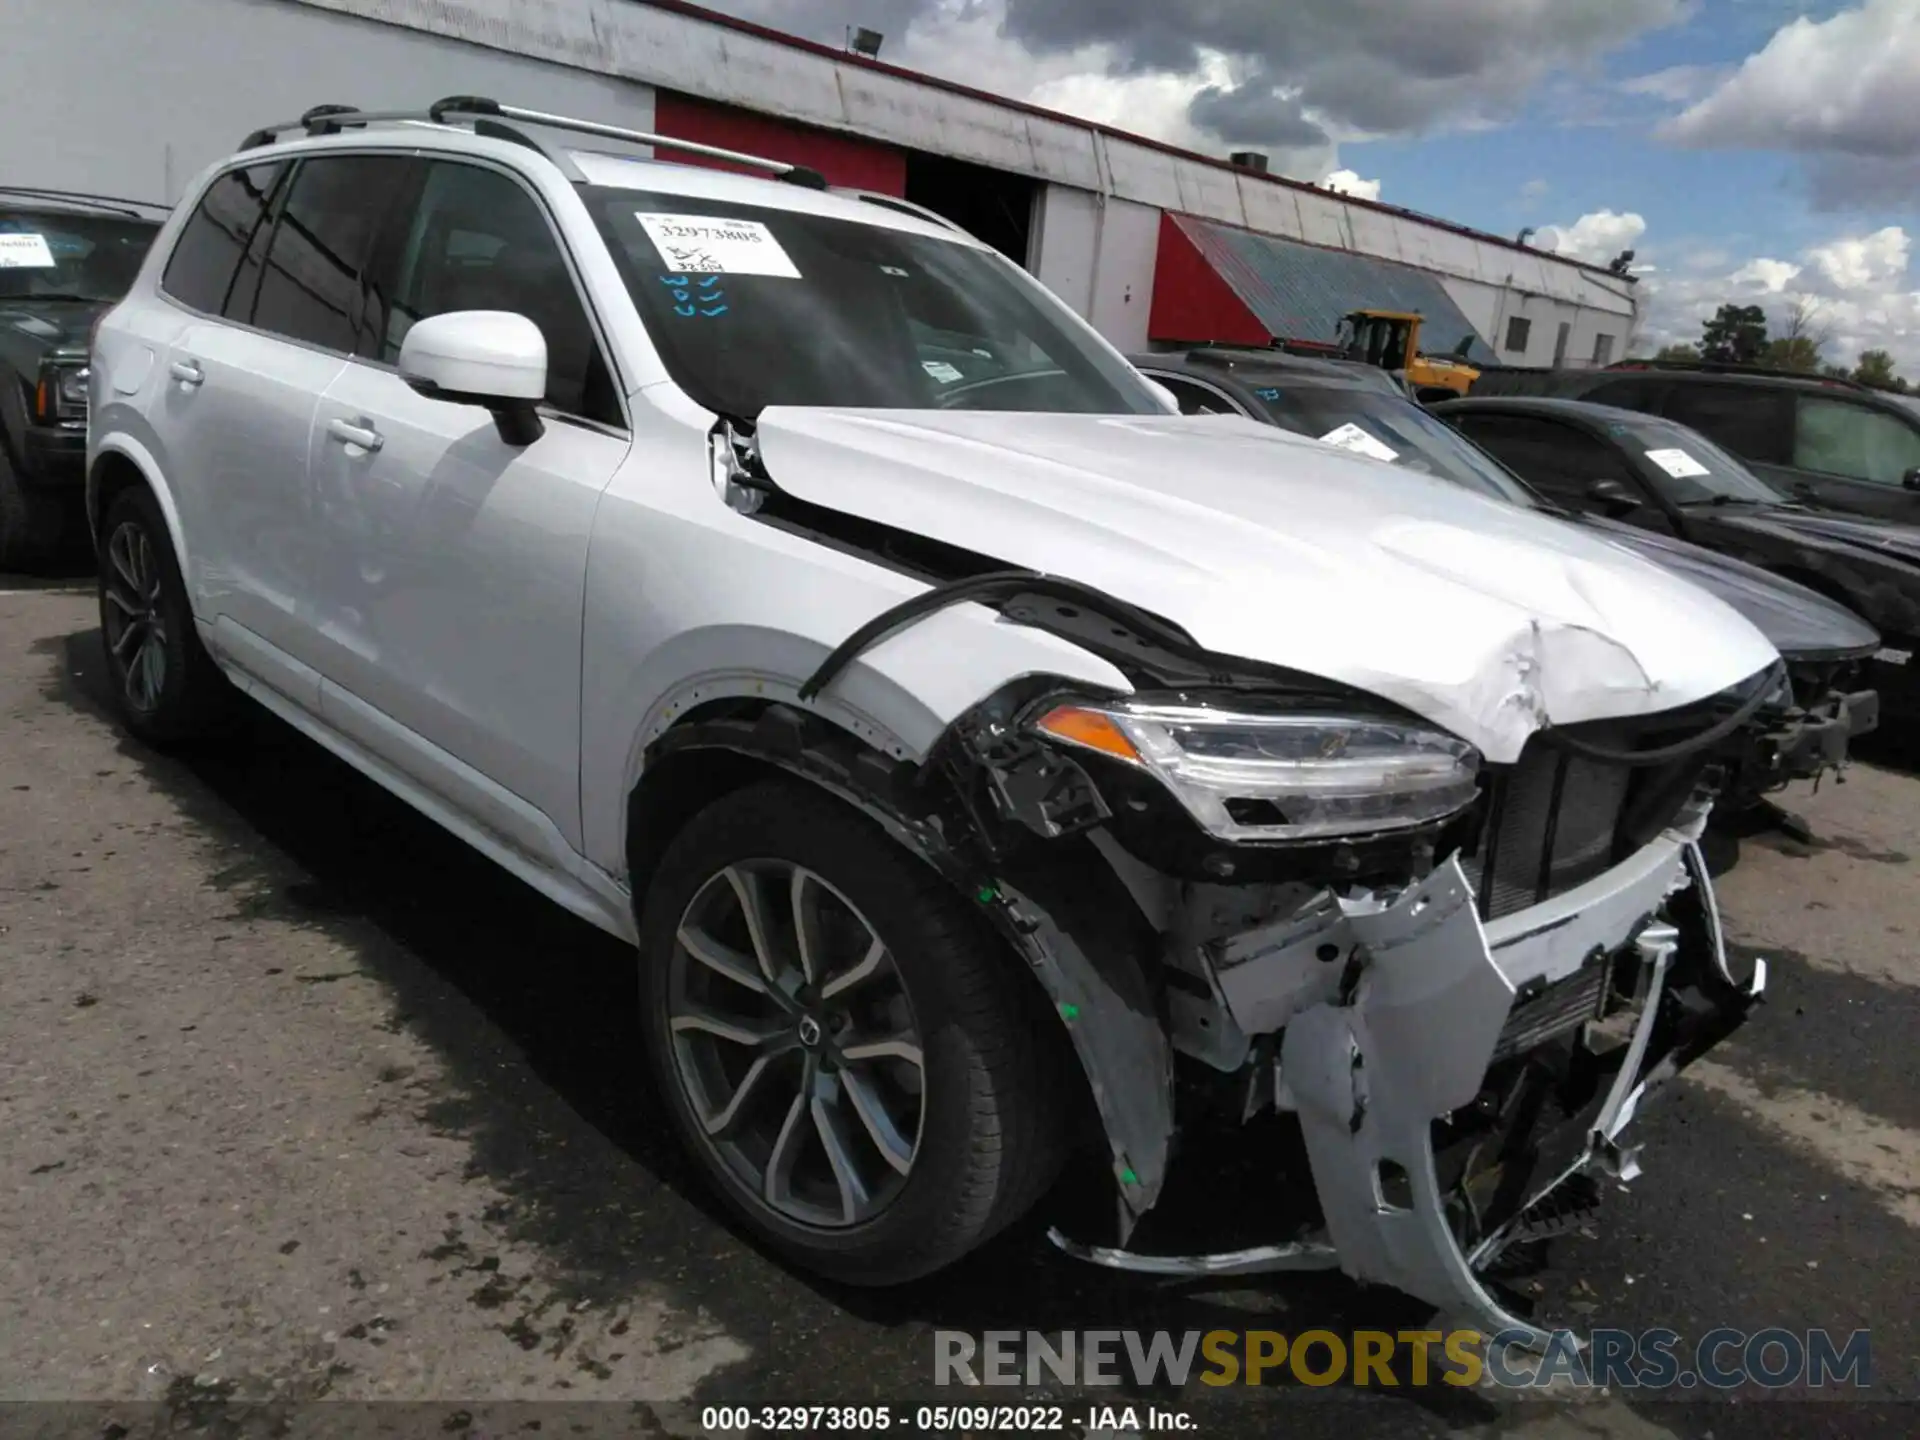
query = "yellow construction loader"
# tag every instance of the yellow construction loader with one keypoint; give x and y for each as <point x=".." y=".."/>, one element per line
<point x="1391" y="340"/>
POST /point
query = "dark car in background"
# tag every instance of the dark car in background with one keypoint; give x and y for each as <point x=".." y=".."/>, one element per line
<point x="1663" y="478"/>
<point x="1825" y="440"/>
<point x="1825" y="643"/>
<point x="64" y="259"/>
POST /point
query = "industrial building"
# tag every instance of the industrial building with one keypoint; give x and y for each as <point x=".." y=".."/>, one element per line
<point x="1153" y="244"/>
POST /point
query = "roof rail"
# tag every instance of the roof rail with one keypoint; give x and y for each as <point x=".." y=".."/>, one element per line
<point x="905" y="207"/>
<point x="484" y="115"/>
<point x="1728" y="367"/>
<point x="80" y="198"/>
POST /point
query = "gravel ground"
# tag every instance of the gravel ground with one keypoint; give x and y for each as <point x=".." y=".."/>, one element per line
<point x="300" y="1100"/>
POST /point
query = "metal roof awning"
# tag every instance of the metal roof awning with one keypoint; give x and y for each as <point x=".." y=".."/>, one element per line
<point x="1226" y="285"/>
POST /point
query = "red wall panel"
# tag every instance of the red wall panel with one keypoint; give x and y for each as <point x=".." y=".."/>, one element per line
<point x="844" y="160"/>
<point x="1191" y="303"/>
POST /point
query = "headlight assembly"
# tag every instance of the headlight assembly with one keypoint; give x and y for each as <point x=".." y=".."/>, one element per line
<point x="71" y="388"/>
<point x="1280" y="776"/>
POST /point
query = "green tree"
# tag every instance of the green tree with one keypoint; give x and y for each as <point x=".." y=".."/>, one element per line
<point x="1679" y="354"/>
<point x="1876" y="368"/>
<point x="1736" y="335"/>
<point x="1793" y="352"/>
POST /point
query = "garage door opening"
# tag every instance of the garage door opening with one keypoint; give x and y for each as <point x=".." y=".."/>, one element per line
<point x="992" y="205"/>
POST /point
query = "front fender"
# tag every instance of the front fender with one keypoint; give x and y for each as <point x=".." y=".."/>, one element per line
<point x="1062" y="911"/>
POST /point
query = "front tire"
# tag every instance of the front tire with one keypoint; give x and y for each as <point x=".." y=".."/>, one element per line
<point x="846" y="1048"/>
<point x="32" y="522"/>
<point x="166" y="687"/>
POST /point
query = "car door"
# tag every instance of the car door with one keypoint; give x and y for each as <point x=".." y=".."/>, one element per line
<point x="1856" y="457"/>
<point x="233" y="422"/>
<point x="1569" y="465"/>
<point x="452" y="564"/>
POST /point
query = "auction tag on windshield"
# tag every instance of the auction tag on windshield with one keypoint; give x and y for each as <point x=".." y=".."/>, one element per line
<point x="712" y="245"/>
<point x="1677" y="463"/>
<point x="1351" y="437"/>
<point x="940" y="370"/>
<point x="25" y="252"/>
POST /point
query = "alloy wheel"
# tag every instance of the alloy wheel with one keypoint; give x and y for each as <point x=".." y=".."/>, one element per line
<point x="796" y="1044"/>
<point x="132" y="618"/>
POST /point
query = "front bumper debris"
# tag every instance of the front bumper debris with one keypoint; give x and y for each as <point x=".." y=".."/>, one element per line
<point x="1815" y="740"/>
<point x="1444" y="1036"/>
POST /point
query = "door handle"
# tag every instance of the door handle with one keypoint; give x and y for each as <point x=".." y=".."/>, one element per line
<point x="349" y="432"/>
<point x="187" y="372"/>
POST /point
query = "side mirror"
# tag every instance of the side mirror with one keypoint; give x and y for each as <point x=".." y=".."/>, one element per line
<point x="1911" y="480"/>
<point x="491" y="358"/>
<point x="1612" y="494"/>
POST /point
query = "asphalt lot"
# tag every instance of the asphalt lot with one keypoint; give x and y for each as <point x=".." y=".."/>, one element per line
<point x="300" y="1100"/>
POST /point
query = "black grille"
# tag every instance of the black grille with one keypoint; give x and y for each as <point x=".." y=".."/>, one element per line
<point x="1556" y="820"/>
<point x="1559" y="1007"/>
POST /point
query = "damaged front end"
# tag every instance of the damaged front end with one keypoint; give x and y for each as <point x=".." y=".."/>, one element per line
<point x="1464" y="1045"/>
<point x="1462" y="978"/>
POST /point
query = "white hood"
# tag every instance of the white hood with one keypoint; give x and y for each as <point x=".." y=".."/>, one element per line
<point x="1482" y="617"/>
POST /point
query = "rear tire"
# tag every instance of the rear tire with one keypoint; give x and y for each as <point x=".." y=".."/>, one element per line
<point x="939" y="1163"/>
<point x="32" y="522"/>
<point x="166" y="687"/>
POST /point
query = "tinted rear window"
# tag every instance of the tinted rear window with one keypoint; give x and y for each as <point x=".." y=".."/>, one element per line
<point x="1753" y="421"/>
<point x="311" y="288"/>
<point x="201" y="269"/>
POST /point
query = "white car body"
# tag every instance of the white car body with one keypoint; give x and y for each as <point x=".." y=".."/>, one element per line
<point x="500" y="635"/>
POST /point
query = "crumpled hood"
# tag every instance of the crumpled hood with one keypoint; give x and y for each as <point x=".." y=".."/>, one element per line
<point x="1826" y="529"/>
<point x="1801" y="624"/>
<point x="1482" y="617"/>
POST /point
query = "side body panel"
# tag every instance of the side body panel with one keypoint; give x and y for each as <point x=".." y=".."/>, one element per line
<point x="449" y="578"/>
<point x="688" y="602"/>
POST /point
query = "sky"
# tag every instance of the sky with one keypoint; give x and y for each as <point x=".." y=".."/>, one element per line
<point x="1753" y="151"/>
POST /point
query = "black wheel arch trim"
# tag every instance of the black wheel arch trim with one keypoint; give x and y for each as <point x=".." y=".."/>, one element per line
<point x="1059" y="908"/>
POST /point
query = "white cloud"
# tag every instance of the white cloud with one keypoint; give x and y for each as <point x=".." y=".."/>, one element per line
<point x="1770" y="276"/>
<point x="1865" y="262"/>
<point x="1844" y="85"/>
<point x="1595" y="237"/>
<point x="1855" y="286"/>
<point x="1677" y="84"/>
<point x="1348" y="182"/>
<point x="1534" y="189"/>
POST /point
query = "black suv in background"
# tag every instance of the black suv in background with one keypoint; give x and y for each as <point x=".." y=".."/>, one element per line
<point x="64" y="258"/>
<point x="1831" y="442"/>
<point x="1664" y="478"/>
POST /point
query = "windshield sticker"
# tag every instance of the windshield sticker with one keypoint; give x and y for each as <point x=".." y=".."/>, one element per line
<point x="1893" y="657"/>
<point x="1351" y="437"/>
<point x="702" y="244"/>
<point x="25" y="252"/>
<point x="696" y="297"/>
<point x="1268" y="392"/>
<point x="1677" y="463"/>
<point x="940" y="370"/>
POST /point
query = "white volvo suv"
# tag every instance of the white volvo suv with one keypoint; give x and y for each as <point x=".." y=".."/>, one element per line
<point x="969" y="744"/>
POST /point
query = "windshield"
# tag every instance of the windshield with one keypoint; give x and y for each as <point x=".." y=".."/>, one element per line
<point x="1392" y="427"/>
<point x="752" y="306"/>
<point x="62" y="255"/>
<point x="1689" y="469"/>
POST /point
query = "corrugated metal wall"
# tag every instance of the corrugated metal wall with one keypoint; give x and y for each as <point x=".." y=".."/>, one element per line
<point x="1299" y="292"/>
